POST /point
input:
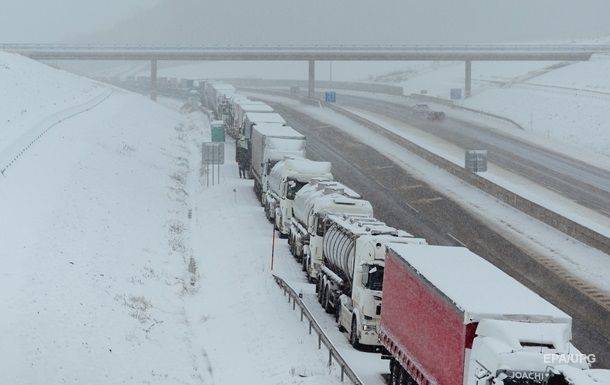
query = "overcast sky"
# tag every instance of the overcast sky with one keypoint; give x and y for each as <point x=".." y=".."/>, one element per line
<point x="56" y="20"/>
<point x="268" y="21"/>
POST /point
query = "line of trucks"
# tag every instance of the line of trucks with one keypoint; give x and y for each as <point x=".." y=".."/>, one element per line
<point x="440" y="315"/>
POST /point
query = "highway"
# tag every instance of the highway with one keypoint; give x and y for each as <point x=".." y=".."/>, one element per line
<point x="405" y="202"/>
<point x="582" y="183"/>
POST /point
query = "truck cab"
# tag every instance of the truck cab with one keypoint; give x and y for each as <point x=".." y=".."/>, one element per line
<point x="508" y="352"/>
<point x="351" y="279"/>
<point x="331" y="202"/>
<point x="286" y="179"/>
<point x="270" y="144"/>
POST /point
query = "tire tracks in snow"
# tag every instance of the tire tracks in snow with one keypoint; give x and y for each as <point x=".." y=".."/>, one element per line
<point x="14" y="152"/>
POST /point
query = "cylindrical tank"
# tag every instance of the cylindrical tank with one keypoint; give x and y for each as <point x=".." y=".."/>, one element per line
<point x="339" y="249"/>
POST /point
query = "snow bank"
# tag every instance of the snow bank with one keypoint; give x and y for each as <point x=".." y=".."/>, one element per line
<point x="116" y="268"/>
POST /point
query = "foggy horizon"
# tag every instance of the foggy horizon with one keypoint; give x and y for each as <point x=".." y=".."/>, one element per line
<point x="394" y="22"/>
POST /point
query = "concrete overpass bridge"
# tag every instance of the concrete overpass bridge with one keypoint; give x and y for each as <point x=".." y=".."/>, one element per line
<point x="313" y="53"/>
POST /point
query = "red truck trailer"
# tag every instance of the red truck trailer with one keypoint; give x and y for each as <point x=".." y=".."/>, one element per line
<point x="450" y="317"/>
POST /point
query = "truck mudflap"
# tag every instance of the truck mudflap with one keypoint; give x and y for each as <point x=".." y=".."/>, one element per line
<point x="412" y="367"/>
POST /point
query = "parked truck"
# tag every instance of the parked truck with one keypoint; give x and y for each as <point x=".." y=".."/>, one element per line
<point x="287" y="177"/>
<point x="213" y="95"/>
<point x="244" y="106"/>
<point x="269" y="144"/>
<point x="450" y="317"/>
<point x="350" y="281"/>
<point x="312" y="204"/>
<point x="251" y="119"/>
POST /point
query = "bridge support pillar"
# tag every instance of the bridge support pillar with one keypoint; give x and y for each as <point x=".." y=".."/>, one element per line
<point x="311" y="89"/>
<point x="468" y="79"/>
<point x="153" y="79"/>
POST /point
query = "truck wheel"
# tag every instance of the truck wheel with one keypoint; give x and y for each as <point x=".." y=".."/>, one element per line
<point x="405" y="378"/>
<point x="395" y="374"/>
<point x="353" y="335"/>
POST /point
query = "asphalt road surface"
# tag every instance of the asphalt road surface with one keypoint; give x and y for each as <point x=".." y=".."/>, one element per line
<point x="583" y="183"/>
<point x="407" y="203"/>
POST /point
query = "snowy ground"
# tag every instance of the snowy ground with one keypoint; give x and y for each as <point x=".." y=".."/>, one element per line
<point x="368" y="366"/>
<point x="588" y="264"/>
<point x="560" y="102"/>
<point x="117" y="266"/>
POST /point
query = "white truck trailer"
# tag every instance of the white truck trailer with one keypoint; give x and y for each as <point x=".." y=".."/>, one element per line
<point x="244" y="106"/>
<point x="351" y="278"/>
<point x="251" y="119"/>
<point x="287" y="177"/>
<point x="312" y="204"/>
<point x="450" y="317"/>
<point x="269" y="144"/>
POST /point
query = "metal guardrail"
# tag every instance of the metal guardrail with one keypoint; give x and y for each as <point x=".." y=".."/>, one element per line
<point x="566" y="225"/>
<point x="451" y="104"/>
<point x="535" y="210"/>
<point x="333" y="353"/>
<point x="567" y="47"/>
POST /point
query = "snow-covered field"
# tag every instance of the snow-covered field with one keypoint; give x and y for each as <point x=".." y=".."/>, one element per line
<point x="562" y="102"/>
<point x="116" y="265"/>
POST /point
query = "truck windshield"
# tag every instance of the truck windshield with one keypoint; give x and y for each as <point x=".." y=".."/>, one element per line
<point x="293" y="188"/>
<point x="375" y="277"/>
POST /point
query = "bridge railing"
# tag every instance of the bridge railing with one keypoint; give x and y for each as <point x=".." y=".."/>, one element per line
<point x="594" y="48"/>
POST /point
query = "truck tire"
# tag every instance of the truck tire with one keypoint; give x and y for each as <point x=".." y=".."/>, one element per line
<point x="394" y="373"/>
<point x="353" y="335"/>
